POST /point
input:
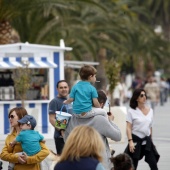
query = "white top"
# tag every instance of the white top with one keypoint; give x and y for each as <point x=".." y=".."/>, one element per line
<point x="117" y="91"/>
<point x="141" y="124"/>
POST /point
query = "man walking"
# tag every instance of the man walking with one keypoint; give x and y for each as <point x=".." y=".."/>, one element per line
<point x="56" y="105"/>
<point x="152" y="91"/>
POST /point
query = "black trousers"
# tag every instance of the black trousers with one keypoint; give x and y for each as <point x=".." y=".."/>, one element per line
<point x="59" y="144"/>
<point x="149" y="158"/>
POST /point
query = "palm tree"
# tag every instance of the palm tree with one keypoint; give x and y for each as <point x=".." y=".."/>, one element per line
<point x="16" y="14"/>
<point x="7" y="11"/>
<point x="144" y="43"/>
<point x="92" y="27"/>
<point x="160" y="14"/>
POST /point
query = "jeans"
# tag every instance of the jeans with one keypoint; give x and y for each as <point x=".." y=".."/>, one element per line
<point x="59" y="144"/>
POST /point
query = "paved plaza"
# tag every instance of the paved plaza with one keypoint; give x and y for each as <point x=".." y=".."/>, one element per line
<point x="161" y="138"/>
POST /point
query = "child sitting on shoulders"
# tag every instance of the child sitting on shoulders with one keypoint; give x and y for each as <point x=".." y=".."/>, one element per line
<point x="84" y="94"/>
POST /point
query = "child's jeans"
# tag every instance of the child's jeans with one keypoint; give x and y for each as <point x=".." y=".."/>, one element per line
<point x="11" y="165"/>
<point x="95" y="111"/>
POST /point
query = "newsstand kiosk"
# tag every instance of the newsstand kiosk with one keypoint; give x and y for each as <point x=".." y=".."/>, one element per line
<point x="47" y="64"/>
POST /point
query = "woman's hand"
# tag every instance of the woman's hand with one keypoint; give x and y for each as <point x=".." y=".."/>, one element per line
<point x="131" y="146"/>
<point x="22" y="159"/>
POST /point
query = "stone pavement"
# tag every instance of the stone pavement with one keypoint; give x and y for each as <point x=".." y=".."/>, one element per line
<point x="161" y="138"/>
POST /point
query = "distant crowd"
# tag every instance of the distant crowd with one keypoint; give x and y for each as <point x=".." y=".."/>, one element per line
<point x="157" y="90"/>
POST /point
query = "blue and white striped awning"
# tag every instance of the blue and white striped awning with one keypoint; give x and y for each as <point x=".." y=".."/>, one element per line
<point x="5" y="63"/>
<point x="14" y="62"/>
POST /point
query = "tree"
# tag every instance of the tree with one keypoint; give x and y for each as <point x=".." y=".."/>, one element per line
<point x="113" y="74"/>
<point x="89" y="27"/>
<point x="22" y="81"/>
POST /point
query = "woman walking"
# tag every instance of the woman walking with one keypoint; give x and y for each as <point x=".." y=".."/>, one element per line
<point x="139" y="131"/>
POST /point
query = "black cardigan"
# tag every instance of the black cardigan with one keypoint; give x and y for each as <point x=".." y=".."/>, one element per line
<point x="149" y="147"/>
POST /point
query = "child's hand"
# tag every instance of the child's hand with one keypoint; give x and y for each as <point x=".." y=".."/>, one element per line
<point x="43" y="141"/>
<point x="65" y="102"/>
<point x="11" y="144"/>
<point x="68" y="101"/>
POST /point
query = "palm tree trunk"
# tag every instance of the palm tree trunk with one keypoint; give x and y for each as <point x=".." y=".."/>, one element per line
<point x="101" y="76"/>
<point x="150" y="68"/>
<point x="69" y="76"/>
<point x="166" y="31"/>
<point x="139" y="67"/>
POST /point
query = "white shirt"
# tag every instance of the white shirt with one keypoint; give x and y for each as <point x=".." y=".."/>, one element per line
<point x="117" y="91"/>
<point x="141" y="124"/>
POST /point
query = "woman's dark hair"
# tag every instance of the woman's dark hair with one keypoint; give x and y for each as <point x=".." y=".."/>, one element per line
<point x="122" y="162"/>
<point x="135" y="95"/>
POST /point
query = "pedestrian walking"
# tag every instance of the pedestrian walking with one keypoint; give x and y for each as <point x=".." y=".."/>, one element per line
<point x="56" y="105"/>
<point x="153" y="92"/>
<point x="139" y="131"/>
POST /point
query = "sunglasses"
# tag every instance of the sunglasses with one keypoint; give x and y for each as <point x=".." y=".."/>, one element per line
<point x="11" y="116"/>
<point x="142" y="95"/>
